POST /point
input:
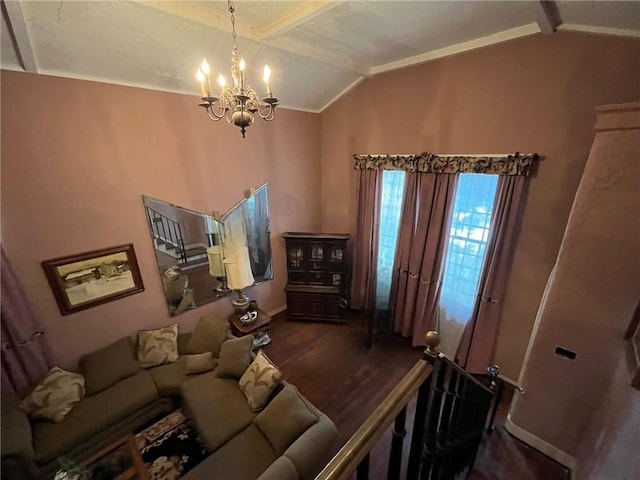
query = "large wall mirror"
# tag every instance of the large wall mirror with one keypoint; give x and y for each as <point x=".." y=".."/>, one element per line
<point x="201" y="256"/>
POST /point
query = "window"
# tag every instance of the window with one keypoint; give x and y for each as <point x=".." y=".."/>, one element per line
<point x="470" y="224"/>
<point x="391" y="207"/>
<point x="469" y="233"/>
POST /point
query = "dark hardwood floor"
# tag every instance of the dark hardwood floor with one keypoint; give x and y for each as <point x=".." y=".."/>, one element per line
<point x="331" y="366"/>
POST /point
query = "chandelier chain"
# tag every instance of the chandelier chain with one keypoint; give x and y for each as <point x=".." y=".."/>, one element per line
<point x="232" y="10"/>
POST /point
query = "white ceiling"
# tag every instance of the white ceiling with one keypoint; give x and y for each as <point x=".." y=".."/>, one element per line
<point x="317" y="50"/>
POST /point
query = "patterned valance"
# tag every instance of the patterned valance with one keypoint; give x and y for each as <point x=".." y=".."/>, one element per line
<point x="426" y="162"/>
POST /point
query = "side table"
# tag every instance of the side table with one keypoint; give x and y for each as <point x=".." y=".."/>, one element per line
<point x="261" y="324"/>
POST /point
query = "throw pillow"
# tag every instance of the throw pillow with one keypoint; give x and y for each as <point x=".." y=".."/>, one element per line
<point x="199" y="363"/>
<point x="109" y="365"/>
<point x="54" y="396"/>
<point x="285" y="418"/>
<point x="208" y="336"/>
<point x="235" y="357"/>
<point x="157" y="347"/>
<point x="259" y="380"/>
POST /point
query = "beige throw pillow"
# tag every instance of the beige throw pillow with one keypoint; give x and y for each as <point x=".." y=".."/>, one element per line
<point x="260" y="379"/>
<point x="157" y="347"/>
<point x="286" y="417"/>
<point x="208" y="336"/>
<point x="235" y="357"/>
<point x="54" y="396"/>
<point x="199" y="363"/>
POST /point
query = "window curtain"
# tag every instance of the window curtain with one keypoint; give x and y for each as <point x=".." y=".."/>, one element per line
<point x="477" y="347"/>
<point x="26" y="355"/>
<point x="365" y="252"/>
<point x="420" y="254"/>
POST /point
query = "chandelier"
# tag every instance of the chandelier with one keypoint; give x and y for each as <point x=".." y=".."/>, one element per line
<point x="237" y="102"/>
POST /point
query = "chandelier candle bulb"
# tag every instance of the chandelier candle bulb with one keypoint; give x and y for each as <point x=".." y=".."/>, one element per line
<point x="242" y="65"/>
<point x="266" y="77"/>
<point x="206" y="70"/>
<point x="201" y="78"/>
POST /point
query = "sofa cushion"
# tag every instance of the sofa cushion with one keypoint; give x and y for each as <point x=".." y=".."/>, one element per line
<point x="54" y="396"/>
<point x="108" y="365"/>
<point x="158" y="346"/>
<point x="92" y="415"/>
<point x="217" y="407"/>
<point x="235" y="357"/>
<point x="169" y="377"/>
<point x="183" y="341"/>
<point x="260" y="379"/>
<point x="247" y="455"/>
<point x="200" y="363"/>
<point x="285" y="418"/>
<point x="208" y="336"/>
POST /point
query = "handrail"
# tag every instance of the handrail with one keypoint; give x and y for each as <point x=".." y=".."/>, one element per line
<point x="346" y="461"/>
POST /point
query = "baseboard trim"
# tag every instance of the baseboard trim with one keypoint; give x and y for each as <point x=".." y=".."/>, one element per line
<point x="277" y="310"/>
<point x="549" y="450"/>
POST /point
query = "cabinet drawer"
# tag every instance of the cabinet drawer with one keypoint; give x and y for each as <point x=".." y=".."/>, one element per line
<point x="315" y="306"/>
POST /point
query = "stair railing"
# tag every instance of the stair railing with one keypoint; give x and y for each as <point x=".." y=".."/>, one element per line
<point x="451" y="412"/>
<point x="167" y="231"/>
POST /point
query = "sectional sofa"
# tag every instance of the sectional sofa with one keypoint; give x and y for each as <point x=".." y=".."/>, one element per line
<point x="285" y="437"/>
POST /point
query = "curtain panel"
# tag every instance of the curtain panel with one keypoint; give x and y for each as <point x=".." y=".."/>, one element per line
<point x="365" y="252"/>
<point x="516" y="164"/>
<point x="477" y="346"/>
<point x="26" y="355"/>
<point x="420" y="254"/>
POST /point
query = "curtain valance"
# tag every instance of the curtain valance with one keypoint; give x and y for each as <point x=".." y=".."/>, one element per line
<point x="517" y="164"/>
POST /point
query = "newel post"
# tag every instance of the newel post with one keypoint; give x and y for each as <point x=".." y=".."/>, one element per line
<point x="431" y="353"/>
<point x="496" y="386"/>
<point x="416" y="451"/>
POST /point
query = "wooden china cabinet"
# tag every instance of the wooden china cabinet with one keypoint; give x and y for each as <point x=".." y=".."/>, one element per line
<point x="318" y="273"/>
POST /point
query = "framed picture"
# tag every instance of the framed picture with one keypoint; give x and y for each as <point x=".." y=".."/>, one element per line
<point x="92" y="278"/>
<point x="632" y="338"/>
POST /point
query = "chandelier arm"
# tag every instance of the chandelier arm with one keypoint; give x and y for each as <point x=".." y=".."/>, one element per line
<point x="211" y="111"/>
<point x="266" y="112"/>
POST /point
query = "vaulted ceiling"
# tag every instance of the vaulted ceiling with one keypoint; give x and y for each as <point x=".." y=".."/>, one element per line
<point x="317" y="50"/>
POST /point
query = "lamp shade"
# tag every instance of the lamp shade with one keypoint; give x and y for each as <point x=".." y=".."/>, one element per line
<point x="214" y="255"/>
<point x="238" y="267"/>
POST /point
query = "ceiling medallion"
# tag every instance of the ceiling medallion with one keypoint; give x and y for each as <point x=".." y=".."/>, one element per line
<point x="239" y="102"/>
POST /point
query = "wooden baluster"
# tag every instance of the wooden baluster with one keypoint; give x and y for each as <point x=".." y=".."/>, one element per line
<point x="496" y="386"/>
<point x="362" y="473"/>
<point x="395" y="455"/>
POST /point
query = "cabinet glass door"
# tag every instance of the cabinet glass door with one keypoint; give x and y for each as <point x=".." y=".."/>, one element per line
<point x="295" y="257"/>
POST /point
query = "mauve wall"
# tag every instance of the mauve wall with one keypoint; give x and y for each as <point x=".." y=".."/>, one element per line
<point x="586" y="407"/>
<point x="535" y="94"/>
<point x="77" y="157"/>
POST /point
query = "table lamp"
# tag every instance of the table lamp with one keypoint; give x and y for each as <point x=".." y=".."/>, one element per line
<point x="239" y="275"/>
<point x="216" y="268"/>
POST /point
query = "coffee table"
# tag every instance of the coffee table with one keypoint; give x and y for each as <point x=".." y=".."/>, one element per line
<point x="119" y="461"/>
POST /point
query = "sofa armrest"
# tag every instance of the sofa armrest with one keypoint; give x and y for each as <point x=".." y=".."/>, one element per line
<point x="17" y="440"/>
<point x="15" y="426"/>
<point x="312" y="450"/>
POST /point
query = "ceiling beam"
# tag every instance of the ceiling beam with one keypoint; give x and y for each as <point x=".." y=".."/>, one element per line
<point x="321" y="55"/>
<point x="302" y="15"/>
<point x="20" y="33"/>
<point x="210" y="19"/>
<point x="492" y="39"/>
<point x="548" y="16"/>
